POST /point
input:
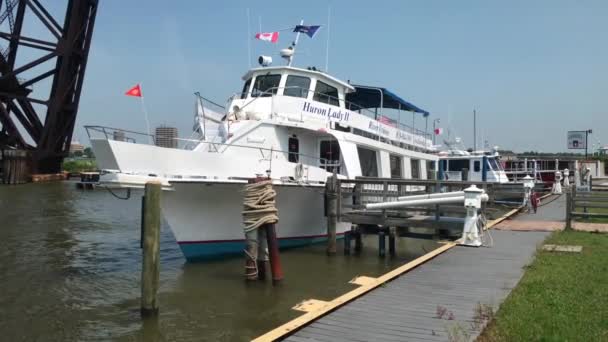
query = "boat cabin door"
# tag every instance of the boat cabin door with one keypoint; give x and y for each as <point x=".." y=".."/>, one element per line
<point x="475" y="170"/>
<point x="329" y="155"/>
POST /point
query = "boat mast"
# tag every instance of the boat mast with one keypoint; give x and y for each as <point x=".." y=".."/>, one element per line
<point x="295" y="42"/>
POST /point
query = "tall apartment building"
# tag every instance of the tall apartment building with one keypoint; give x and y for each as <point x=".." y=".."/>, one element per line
<point x="166" y="136"/>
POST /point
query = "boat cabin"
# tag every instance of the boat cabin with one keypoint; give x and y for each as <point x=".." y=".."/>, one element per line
<point x="354" y="130"/>
<point x="471" y="167"/>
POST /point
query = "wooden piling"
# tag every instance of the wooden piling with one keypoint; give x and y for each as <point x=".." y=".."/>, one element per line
<point x="568" y="210"/>
<point x="392" y="235"/>
<point x="331" y="194"/>
<point x="347" y="238"/>
<point x="273" y="251"/>
<point x="358" y="242"/>
<point x="261" y="255"/>
<point x="151" y="249"/>
<point x="381" y="244"/>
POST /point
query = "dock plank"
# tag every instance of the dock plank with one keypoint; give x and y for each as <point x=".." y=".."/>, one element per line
<point x="406" y="309"/>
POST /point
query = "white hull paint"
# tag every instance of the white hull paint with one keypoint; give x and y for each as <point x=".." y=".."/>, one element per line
<point x="206" y="217"/>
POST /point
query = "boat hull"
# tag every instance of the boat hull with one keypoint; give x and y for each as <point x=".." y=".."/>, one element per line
<point x="207" y="223"/>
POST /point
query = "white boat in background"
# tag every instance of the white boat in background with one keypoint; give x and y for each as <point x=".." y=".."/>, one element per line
<point x="296" y="126"/>
<point x="458" y="164"/>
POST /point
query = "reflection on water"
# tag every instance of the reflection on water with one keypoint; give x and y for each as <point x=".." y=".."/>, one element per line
<point x="70" y="265"/>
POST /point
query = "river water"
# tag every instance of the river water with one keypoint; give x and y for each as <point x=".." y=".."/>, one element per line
<point x="70" y="268"/>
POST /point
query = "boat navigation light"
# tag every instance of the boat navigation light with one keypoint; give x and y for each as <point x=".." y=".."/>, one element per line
<point x="264" y="60"/>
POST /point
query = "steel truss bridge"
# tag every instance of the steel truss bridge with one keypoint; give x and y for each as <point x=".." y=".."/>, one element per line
<point x="43" y="126"/>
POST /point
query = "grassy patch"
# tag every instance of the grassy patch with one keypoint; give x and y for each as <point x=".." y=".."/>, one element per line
<point x="79" y="165"/>
<point x="562" y="296"/>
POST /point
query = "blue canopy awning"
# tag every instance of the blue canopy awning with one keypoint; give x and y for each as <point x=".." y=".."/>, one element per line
<point x="376" y="97"/>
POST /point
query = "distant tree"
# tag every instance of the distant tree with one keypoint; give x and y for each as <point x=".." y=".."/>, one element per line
<point x="78" y="153"/>
<point x="89" y="152"/>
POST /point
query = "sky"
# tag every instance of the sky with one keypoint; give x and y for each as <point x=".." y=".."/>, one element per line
<point x="532" y="70"/>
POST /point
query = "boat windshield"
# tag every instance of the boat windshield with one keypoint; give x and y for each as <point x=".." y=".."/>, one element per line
<point x="494" y="164"/>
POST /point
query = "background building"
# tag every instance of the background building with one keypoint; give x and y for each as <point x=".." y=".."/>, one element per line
<point x="76" y="146"/>
<point x="166" y="136"/>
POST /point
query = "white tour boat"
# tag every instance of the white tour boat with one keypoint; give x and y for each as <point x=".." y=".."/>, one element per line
<point x="458" y="164"/>
<point x="296" y="126"/>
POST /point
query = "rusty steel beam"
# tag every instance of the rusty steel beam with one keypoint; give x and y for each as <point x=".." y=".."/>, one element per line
<point x="69" y="46"/>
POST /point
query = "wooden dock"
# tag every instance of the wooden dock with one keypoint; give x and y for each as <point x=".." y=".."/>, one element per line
<point x="446" y="296"/>
<point x="450" y="295"/>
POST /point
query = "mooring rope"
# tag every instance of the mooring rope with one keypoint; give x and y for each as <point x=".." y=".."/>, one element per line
<point x="259" y="205"/>
<point x="258" y="209"/>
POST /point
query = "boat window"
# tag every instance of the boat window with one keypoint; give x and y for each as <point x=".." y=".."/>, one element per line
<point x="368" y="162"/>
<point x="329" y="152"/>
<point x="294" y="150"/>
<point x="265" y="85"/>
<point x="297" y="86"/>
<point x="493" y="164"/>
<point x="246" y="89"/>
<point x="415" y="168"/>
<point x="326" y="94"/>
<point x="458" y="164"/>
<point x="476" y="166"/>
<point x="395" y="166"/>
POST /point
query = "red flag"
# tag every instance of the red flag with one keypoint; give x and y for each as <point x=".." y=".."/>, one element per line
<point x="272" y="37"/>
<point x="135" y="91"/>
<point x="438" y="131"/>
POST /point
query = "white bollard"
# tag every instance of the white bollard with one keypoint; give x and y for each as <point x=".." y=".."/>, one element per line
<point x="528" y="186"/>
<point x="473" y="197"/>
<point x="557" y="184"/>
<point x="566" y="178"/>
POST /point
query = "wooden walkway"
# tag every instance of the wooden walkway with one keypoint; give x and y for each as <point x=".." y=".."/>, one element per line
<point x="439" y="298"/>
<point x="447" y="298"/>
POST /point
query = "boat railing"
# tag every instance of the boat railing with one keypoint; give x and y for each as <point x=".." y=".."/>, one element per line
<point x="118" y="134"/>
<point x="265" y="154"/>
<point x="335" y="101"/>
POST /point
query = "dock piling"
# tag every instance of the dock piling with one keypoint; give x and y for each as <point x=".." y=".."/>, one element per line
<point x="392" y="234"/>
<point x="358" y="242"/>
<point x="262" y="255"/>
<point x="331" y="193"/>
<point x="151" y="249"/>
<point x="381" y="244"/>
<point x="347" y="238"/>
<point x="273" y="251"/>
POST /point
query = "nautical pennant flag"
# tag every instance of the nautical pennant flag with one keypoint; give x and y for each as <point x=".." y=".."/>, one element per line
<point x="307" y="30"/>
<point x="272" y="37"/>
<point x="135" y="91"/>
<point x="438" y="131"/>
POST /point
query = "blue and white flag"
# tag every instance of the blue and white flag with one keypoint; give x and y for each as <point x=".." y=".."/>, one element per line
<point x="307" y="30"/>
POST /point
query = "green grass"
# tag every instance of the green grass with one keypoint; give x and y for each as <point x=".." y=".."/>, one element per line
<point x="79" y="165"/>
<point x="562" y="296"/>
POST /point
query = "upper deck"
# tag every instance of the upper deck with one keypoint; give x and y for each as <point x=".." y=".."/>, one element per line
<point x="305" y="95"/>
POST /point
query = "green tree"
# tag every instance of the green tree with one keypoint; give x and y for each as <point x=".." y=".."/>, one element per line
<point x="89" y="152"/>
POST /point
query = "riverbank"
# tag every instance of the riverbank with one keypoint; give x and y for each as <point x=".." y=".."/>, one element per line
<point x="79" y="165"/>
<point x="562" y="296"/>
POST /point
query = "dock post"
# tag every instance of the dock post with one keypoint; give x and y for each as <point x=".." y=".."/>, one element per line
<point x="392" y="234"/>
<point x="358" y="242"/>
<point x="568" y="209"/>
<point x="331" y="190"/>
<point x="151" y="249"/>
<point x="347" y="237"/>
<point x="273" y="251"/>
<point x="381" y="244"/>
<point x="262" y="255"/>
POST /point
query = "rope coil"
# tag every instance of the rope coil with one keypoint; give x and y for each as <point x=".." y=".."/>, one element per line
<point x="259" y="205"/>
